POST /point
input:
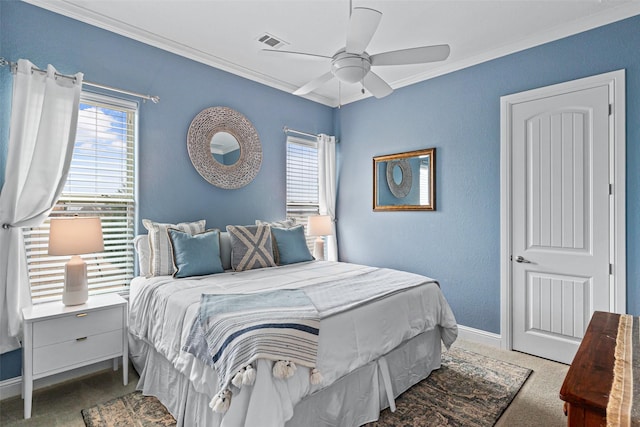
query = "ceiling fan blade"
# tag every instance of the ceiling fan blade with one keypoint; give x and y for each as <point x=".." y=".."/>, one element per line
<point x="314" y="84"/>
<point x="299" y="54"/>
<point x="374" y="84"/>
<point x="416" y="55"/>
<point x="363" y="25"/>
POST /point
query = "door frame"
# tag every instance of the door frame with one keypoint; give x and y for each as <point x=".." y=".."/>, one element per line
<point x="615" y="81"/>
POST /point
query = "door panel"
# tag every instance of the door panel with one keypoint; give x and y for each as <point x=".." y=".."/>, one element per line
<point x="556" y="181"/>
<point x="560" y="219"/>
<point x="558" y="304"/>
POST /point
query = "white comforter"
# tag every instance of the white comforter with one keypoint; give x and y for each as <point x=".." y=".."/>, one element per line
<point x="162" y="310"/>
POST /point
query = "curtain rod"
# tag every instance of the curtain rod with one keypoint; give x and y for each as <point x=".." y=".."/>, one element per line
<point x="286" y="129"/>
<point x="153" y="98"/>
<point x="289" y="130"/>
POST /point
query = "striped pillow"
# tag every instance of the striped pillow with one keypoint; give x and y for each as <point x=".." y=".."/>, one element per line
<point x="285" y="223"/>
<point x="250" y="247"/>
<point x="161" y="261"/>
<point x="141" y="244"/>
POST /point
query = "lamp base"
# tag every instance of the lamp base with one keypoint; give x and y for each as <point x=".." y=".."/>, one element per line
<point x="318" y="249"/>
<point x="76" y="289"/>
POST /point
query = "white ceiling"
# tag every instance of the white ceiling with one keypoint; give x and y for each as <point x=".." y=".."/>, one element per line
<point x="224" y="34"/>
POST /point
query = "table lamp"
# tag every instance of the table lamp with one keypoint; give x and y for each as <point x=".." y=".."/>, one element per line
<point x="319" y="225"/>
<point x="75" y="236"/>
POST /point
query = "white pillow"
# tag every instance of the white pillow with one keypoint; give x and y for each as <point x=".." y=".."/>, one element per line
<point x="141" y="245"/>
<point x="161" y="262"/>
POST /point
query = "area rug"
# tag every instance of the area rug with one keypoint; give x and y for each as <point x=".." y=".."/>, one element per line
<point x="132" y="409"/>
<point x="469" y="390"/>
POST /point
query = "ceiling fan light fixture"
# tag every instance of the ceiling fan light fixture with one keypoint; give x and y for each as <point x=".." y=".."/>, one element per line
<point x="352" y="64"/>
<point x="350" y="68"/>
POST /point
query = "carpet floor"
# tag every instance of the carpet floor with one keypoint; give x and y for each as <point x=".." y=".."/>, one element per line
<point x="468" y="390"/>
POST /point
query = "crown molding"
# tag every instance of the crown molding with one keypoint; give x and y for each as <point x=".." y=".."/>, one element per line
<point x="609" y="16"/>
<point x="81" y="14"/>
<point x="73" y="11"/>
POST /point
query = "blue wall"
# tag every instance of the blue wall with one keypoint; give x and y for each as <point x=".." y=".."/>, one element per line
<point x="459" y="114"/>
<point x="170" y="189"/>
<point x="229" y="158"/>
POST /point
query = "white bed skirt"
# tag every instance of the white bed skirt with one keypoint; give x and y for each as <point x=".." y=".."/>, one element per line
<point x="353" y="400"/>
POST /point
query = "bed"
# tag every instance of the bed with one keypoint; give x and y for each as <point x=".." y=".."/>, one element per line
<point x="380" y="332"/>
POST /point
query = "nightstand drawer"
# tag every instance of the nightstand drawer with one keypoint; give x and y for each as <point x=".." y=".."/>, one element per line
<point x="72" y="326"/>
<point x="76" y="351"/>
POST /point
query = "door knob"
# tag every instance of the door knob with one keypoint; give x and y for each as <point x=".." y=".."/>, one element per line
<point x="519" y="258"/>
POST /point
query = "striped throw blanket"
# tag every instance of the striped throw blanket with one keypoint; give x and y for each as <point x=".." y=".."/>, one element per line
<point x="240" y="328"/>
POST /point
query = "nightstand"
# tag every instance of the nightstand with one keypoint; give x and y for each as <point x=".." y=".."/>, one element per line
<point x="58" y="338"/>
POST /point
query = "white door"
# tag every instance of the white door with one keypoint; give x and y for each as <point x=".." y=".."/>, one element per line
<point x="560" y="219"/>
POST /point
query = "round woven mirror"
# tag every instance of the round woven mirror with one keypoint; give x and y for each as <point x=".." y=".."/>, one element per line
<point x="399" y="177"/>
<point x="207" y="160"/>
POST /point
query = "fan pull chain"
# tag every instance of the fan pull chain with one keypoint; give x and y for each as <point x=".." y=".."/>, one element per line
<point x="362" y="68"/>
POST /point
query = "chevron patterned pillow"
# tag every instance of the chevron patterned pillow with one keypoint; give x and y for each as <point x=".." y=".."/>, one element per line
<point x="250" y="247"/>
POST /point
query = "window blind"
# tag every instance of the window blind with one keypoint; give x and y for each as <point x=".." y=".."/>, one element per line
<point x="100" y="183"/>
<point x="425" y="187"/>
<point x="302" y="181"/>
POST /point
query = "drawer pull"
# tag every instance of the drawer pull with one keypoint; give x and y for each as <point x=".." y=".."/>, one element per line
<point x="81" y="339"/>
<point x="81" y="314"/>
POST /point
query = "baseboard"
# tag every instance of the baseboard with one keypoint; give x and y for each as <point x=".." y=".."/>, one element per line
<point x="13" y="386"/>
<point x="479" y="336"/>
<point x="9" y="387"/>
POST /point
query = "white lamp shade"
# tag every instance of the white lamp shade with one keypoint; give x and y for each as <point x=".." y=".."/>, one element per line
<point x="75" y="235"/>
<point x="319" y="225"/>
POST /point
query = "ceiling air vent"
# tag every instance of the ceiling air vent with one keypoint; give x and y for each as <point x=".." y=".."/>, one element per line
<point x="271" y="41"/>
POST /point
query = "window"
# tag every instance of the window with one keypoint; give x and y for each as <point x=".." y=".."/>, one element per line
<point x="425" y="185"/>
<point x="302" y="181"/>
<point x="100" y="183"/>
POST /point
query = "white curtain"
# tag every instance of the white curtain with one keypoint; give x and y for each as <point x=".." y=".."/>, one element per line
<point x="44" y="116"/>
<point x="327" y="188"/>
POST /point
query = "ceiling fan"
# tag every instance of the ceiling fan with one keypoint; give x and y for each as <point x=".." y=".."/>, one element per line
<point x="352" y="64"/>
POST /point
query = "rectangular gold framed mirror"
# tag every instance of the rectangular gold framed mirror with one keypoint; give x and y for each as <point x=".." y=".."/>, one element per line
<point x="405" y="181"/>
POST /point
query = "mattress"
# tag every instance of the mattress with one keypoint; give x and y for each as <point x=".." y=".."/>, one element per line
<point x="355" y="346"/>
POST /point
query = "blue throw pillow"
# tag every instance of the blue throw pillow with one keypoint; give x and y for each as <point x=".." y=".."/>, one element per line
<point x="290" y="245"/>
<point x="197" y="254"/>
